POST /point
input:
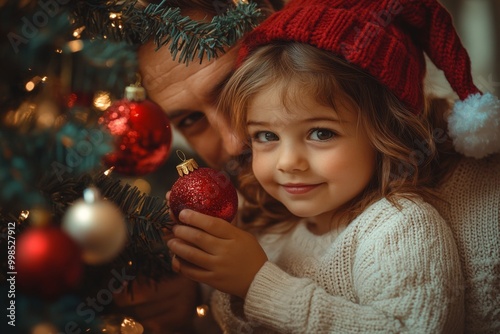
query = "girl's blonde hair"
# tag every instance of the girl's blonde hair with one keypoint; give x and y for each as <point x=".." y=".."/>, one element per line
<point x="407" y="156"/>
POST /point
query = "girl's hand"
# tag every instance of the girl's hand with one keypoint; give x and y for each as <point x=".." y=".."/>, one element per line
<point x="214" y="252"/>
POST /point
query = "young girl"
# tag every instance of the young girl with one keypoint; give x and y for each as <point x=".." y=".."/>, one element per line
<point x="344" y="239"/>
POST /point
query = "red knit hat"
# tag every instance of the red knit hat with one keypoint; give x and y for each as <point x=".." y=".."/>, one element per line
<point x="387" y="39"/>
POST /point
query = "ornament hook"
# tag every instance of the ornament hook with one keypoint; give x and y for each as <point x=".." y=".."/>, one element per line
<point x="138" y="79"/>
<point x="183" y="157"/>
<point x="91" y="195"/>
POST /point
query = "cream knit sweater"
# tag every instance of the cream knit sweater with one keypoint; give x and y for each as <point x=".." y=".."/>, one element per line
<point x="389" y="270"/>
<point x="473" y="212"/>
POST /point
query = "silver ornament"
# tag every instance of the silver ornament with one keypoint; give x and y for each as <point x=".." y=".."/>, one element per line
<point x="97" y="225"/>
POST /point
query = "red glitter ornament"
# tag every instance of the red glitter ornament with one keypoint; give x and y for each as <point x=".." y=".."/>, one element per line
<point x="203" y="190"/>
<point x="48" y="262"/>
<point x="142" y="132"/>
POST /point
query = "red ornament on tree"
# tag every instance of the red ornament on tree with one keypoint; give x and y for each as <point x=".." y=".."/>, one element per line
<point x="142" y="132"/>
<point x="203" y="190"/>
<point x="48" y="262"/>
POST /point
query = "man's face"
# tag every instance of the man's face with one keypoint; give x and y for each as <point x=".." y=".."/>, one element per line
<point x="188" y="95"/>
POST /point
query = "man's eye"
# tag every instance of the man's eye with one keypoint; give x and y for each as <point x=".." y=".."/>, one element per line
<point x="190" y="120"/>
<point x="321" y="134"/>
<point x="265" y="136"/>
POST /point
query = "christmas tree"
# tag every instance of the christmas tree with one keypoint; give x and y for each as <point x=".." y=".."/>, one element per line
<point x="66" y="65"/>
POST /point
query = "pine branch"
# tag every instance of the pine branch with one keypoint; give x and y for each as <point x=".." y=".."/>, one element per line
<point x="124" y="21"/>
<point x="146" y="217"/>
<point x="147" y="220"/>
<point x="114" y="20"/>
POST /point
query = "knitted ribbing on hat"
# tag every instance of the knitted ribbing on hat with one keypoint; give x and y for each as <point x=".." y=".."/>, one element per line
<point x="386" y="38"/>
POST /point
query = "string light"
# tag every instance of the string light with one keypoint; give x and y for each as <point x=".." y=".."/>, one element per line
<point x="77" y="33"/>
<point x="116" y="20"/>
<point x="24" y="214"/>
<point x="46" y="114"/>
<point x="108" y="172"/>
<point x="202" y="310"/>
<point x="75" y="46"/>
<point x="30" y="85"/>
<point x="102" y="100"/>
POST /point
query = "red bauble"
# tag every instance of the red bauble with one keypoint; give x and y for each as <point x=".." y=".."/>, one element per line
<point x="142" y="133"/>
<point x="48" y="262"/>
<point x="204" y="190"/>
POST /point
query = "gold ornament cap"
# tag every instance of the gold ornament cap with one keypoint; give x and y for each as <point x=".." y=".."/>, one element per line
<point x="187" y="166"/>
<point x="135" y="93"/>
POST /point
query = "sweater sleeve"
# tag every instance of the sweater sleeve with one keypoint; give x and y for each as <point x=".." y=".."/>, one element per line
<point x="405" y="276"/>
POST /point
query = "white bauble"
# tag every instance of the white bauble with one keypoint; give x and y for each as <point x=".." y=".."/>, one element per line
<point x="98" y="226"/>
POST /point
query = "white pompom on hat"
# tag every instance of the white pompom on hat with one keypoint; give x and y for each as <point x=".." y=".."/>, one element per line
<point x="474" y="125"/>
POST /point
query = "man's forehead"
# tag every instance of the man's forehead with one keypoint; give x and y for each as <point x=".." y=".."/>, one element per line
<point x="158" y="66"/>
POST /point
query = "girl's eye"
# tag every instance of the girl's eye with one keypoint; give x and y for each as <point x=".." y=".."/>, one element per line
<point x="321" y="134"/>
<point x="265" y="136"/>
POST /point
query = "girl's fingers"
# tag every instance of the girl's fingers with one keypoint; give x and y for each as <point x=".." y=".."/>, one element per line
<point x="189" y="270"/>
<point x="189" y="253"/>
<point x="199" y="238"/>
<point x="215" y="226"/>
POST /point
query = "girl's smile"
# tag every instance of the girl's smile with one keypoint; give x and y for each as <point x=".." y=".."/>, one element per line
<point x="299" y="188"/>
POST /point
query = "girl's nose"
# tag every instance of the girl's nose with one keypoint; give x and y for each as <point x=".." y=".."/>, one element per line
<point x="291" y="159"/>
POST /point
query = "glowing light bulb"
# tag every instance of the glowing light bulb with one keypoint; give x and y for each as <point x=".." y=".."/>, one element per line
<point x="202" y="310"/>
